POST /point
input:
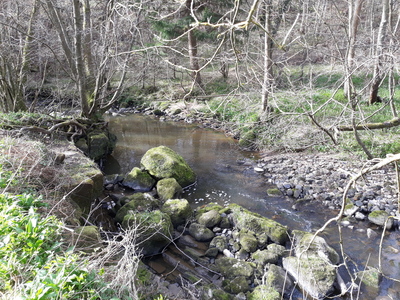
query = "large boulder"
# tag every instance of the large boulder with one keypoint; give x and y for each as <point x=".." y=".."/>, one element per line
<point x="168" y="188"/>
<point x="314" y="265"/>
<point x="244" y="219"/>
<point x="154" y="230"/>
<point x="162" y="162"/>
<point x="139" y="180"/>
<point x="136" y="202"/>
<point x="179" y="210"/>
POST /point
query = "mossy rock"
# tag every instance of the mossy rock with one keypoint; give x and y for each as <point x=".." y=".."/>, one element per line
<point x="200" y="232"/>
<point x="314" y="275"/>
<point x="248" y="241"/>
<point x="277" y="278"/>
<point x="85" y="191"/>
<point x="210" y="218"/>
<point x="244" y="219"/>
<point x="168" y="188"/>
<point x="210" y="292"/>
<point x="318" y="246"/>
<point x="87" y="237"/>
<point x="219" y="242"/>
<point x="210" y="206"/>
<point x="236" y="285"/>
<point x="162" y="162"/>
<point x="263" y="257"/>
<point x="179" y="211"/>
<point x="274" y="192"/>
<point x="247" y="139"/>
<point x="264" y="292"/>
<point x="100" y="144"/>
<point x="139" y="180"/>
<point x="370" y="277"/>
<point x="379" y="217"/>
<point x="154" y="230"/>
<point x="136" y="202"/>
<point x="231" y="268"/>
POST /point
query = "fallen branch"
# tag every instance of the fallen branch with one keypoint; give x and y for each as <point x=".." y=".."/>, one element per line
<point x="371" y="126"/>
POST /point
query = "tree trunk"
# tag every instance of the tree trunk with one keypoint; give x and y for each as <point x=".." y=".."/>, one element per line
<point x="79" y="61"/>
<point x="194" y="62"/>
<point x="268" y="49"/>
<point x="378" y="76"/>
<point x="354" y="20"/>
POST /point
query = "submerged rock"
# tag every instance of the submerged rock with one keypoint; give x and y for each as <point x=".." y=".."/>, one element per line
<point x="162" y="162"/>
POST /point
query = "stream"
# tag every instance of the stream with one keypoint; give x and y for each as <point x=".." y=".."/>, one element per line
<point x="226" y="175"/>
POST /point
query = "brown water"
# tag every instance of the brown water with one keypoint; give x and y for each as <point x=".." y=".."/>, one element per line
<point x="225" y="175"/>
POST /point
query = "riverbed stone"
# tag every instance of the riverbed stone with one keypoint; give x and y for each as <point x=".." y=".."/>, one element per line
<point x="163" y="162"/>
<point x="139" y="180"/>
<point x="242" y="218"/>
<point x="168" y="188"/>
<point x="136" y="202"/>
<point x="264" y="292"/>
<point x="210" y="218"/>
<point x="200" y="232"/>
<point x="314" y="275"/>
<point x="231" y="268"/>
<point x="179" y="211"/>
<point x="154" y="230"/>
<point x="379" y="217"/>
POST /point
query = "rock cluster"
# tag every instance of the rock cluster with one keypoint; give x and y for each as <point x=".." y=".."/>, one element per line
<point x="323" y="178"/>
<point x="231" y="250"/>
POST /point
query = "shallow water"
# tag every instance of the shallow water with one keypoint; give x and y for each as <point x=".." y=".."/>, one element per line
<point x="225" y="175"/>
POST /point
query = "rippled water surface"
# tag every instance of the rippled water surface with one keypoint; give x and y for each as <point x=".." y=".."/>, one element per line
<point x="225" y="175"/>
